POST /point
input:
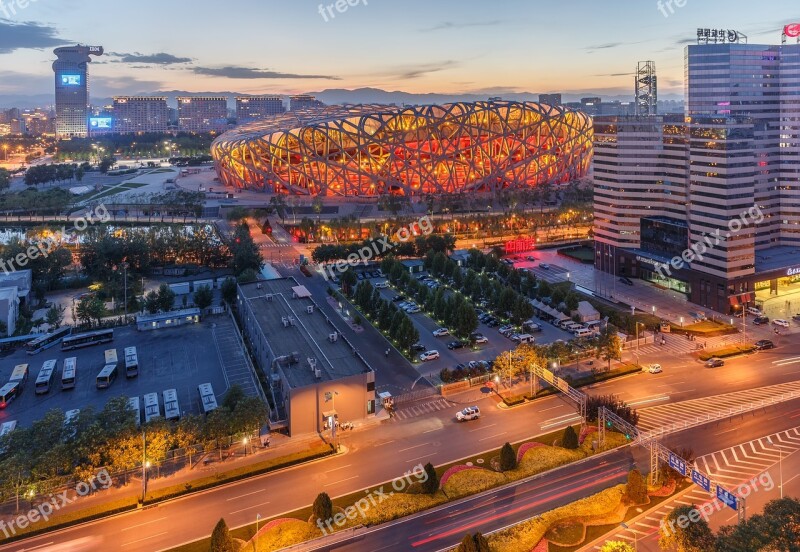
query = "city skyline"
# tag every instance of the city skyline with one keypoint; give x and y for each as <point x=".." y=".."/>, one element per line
<point x="447" y="48"/>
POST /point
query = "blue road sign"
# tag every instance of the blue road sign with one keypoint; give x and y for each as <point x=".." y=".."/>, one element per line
<point x="701" y="480"/>
<point x="677" y="463"/>
<point x="728" y="498"/>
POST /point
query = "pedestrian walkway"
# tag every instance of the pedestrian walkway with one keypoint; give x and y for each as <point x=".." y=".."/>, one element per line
<point x="666" y="414"/>
<point x="236" y="367"/>
<point x="420" y="409"/>
<point x="729" y="467"/>
<point x="680" y="345"/>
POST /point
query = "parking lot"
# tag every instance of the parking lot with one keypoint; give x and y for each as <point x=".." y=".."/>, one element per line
<point x="177" y="358"/>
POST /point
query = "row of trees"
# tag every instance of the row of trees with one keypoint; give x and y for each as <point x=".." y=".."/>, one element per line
<point x="419" y="247"/>
<point x="389" y="319"/>
<point x="48" y="454"/>
<point x="44" y="174"/>
<point x="150" y="144"/>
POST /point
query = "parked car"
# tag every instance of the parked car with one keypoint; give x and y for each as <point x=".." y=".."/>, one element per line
<point x="469" y="413"/>
<point x="429" y="355"/>
<point x="780" y="322"/>
<point x="360" y="276"/>
<point x="763" y="344"/>
<point x="759" y="320"/>
<point x="440" y="332"/>
<point x="455" y="345"/>
<point x="544" y="266"/>
<point x="481" y="339"/>
<point x="626" y="281"/>
<point x="398" y="298"/>
<point x="413" y="310"/>
<point x="530" y="258"/>
<point x="796" y="317"/>
<point x="654" y="369"/>
<point x="416" y="347"/>
<point x="714" y="362"/>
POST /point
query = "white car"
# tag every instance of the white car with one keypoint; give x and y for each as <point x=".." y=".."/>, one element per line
<point x="413" y="310"/>
<point x="441" y="332"/>
<point x="469" y="413"/>
<point x="429" y="355"/>
<point x="780" y="322"/>
<point x="481" y="339"/>
<point x="654" y="369"/>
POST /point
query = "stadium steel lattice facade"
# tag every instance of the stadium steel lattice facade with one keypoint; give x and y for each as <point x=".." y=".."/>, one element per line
<point x="371" y="150"/>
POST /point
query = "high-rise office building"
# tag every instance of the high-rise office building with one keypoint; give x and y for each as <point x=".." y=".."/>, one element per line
<point x="132" y="114"/>
<point x="301" y="102"/>
<point x="252" y="108"/>
<point x="72" y="89"/>
<point x="202" y="114"/>
<point x="724" y="179"/>
<point x="550" y="99"/>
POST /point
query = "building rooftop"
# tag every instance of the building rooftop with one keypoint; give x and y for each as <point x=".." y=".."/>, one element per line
<point x="22" y="279"/>
<point x="298" y="333"/>
<point x="773" y="258"/>
<point x="167" y="315"/>
<point x="8" y="293"/>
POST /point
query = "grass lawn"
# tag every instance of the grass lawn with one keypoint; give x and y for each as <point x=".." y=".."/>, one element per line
<point x="707" y="327"/>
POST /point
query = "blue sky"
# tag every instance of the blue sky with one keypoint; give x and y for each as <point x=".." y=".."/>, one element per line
<point x="448" y="46"/>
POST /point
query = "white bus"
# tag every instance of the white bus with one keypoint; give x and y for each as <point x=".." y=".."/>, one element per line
<point x="133" y="405"/>
<point x="208" y="399"/>
<point x="151" y="408"/>
<point x="131" y="362"/>
<point x="8" y="393"/>
<point x="106" y="376"/>
<point x="45" y="378"/>
<point x="69" y="373"/>
<point x="19" y="375"/>
<point x="111" y="357"/>
<point x="171" y="409"/>
<point x="87" y="339"/>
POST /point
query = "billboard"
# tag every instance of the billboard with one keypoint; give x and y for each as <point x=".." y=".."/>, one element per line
<point x="101" y="123"/>
<point x="70" y="80"/>
<point x="792" y="31"/>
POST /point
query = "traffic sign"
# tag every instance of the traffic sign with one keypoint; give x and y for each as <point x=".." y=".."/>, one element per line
<point x="677" y="463"/>
<point x="701" y="480"/>
<point x="728" y="498"/>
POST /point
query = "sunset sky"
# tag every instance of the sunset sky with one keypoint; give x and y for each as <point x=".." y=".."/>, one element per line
<point x="448" y="46"/>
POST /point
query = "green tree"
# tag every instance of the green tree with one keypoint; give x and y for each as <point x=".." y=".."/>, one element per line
<point x="90" y="308"/>
<point x="612" y="403"/>
<point x="776" y="528"/>
<point x="467" y="544"/>
<point x="570" y="438"/>
<point x="203" y="297"/>
<point x="616" y="546"/>
<point x="221" y="539"/>
<point x="684" y="529"/>
<point x="609" y="346"/>
<point x="245" y="251"/>
<point x="5" y="179"/>
<point x="166" y="298"/>
<point x="636" y="488"/>
<point x="55" y="315"/>
<point x="151" y="302"/>
<point x="232" y="398"/>
<point x="431" y="483"/>
<point x="481" y="543"/>
<point x="322" y="509"/>
<point x="508" y="459"/>
<point x="229" y="291"/>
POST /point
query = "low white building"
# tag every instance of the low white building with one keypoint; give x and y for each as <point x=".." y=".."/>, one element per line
<point x="9" y="308"/>
<point x="22" y="280"/>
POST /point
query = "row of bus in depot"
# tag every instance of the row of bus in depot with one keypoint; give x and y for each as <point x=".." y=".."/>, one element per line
<point x="172" y="410"/>
<point x="45" y="379"/>
<point x="69" y="417"/>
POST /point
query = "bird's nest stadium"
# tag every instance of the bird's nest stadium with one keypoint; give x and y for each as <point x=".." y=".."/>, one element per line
<point x="374" y="150"/>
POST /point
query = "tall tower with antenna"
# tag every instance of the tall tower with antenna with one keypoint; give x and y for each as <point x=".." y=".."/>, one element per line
<point x="646" y="88"/>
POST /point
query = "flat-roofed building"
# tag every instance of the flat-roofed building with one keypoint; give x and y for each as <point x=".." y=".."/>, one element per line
<point x="252" y="108"/>
<point x="133" y="114"/>
<point x="202" y="113"/>
<point x="315" y="373"/>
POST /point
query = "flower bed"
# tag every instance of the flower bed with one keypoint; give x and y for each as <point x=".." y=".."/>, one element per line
<point x="453" y="470"/>
<point x="469" y="482"/>
<point x="666" y="490"/>
<point x="281" y="533"/>
<point x="585" y="432"/>
<point x="525" y="447"/>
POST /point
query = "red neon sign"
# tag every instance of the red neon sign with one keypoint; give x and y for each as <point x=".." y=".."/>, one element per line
<point x="520" y="245"/>
<point x="792" y="30"/>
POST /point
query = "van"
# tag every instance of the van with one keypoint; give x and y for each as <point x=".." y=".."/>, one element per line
<point x="583" y="332"/>
<point x="524" y="338"/>
<point x="382" y="285"/>
<point x="755" y="311"/>
<point x="566" y="323"/>
<point x="574" y="327"/>
<point x="781" y="323"/>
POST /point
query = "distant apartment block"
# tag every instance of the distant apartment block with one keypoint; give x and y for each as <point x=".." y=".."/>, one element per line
<point x="253" y="108"/>
<point x="202" y="113"/>
<point x="134" y="114"/>
<point x="38" y="123"/>
<point x="550" y="99"/>
<point x="301" y="102"/>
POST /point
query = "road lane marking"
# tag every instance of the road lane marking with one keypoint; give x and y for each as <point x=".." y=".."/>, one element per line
<point x="244" y="495"/>
<point x="339" y="468"/>
<point x="553" y="408"/>
<point x="341" y="481"/>
<point x="650" y="400"/>
<point x="493" y="436"/>
<point x="482" y="427"/>
<point x="415" y="446"/>
<point x="249" y="508"/>
<point x="144" y="539"/>
<point x="145" y="523"/>
<point x="36" y="547"/>
<point x="420" y="458"/>
<point x="432" y="430"/>
<point x="727" y="431"/>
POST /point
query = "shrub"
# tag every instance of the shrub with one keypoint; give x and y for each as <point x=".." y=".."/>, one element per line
<point x="570" y="438"/>
<point x="322" y="508"/>
<point x="481" y="543"/>
<point x="221" y="540"/>
<point x="467" y="544"/>
<point x="514" y="400"/>
<point x="508" y="460"/>
<point x="431" y="483"/>
<point x="636" y="488"/>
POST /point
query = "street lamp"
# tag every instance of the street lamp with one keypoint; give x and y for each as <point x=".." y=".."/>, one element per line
<point x="637" y="341"/>
<point x="780" y="462"/>
<point x="258" y="517"/>
<point x="244" y="442"/>
<point x="5" y="152"/>
<point x="145" y="467"/>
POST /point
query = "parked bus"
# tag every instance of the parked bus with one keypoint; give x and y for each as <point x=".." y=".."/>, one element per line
<point x="45" y="377"/>
<point x="19" y="375"/>
<point x="87" y="339"/>
<point x="133" y="405"/>
<point x="8" y="393"/>
<point x="171" y="409"/>
<point x="131" y="362"/>
<point x="69" y="373"/>
<point x="151" y="408"/>
<point x="47" y="340"/>
<point x="106" y="376"/>
<point x="207" y="398"/>
<point x="111" y="357"/>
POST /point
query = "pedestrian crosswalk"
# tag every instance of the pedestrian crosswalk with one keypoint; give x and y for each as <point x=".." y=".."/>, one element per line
<point x="655" y="417"/>
<point x="679" y="344"/>
<point x="419" y="409"/>
<point x="730" y="468"/>
<point x="272" y="245"/>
